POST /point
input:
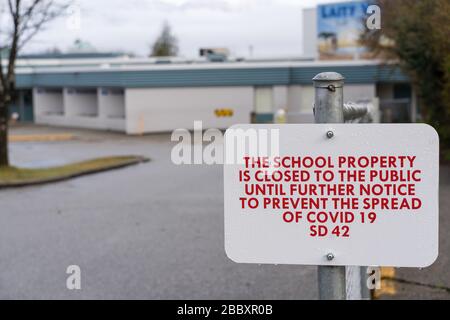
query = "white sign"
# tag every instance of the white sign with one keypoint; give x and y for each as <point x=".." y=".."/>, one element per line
<point x="332" y="194"/>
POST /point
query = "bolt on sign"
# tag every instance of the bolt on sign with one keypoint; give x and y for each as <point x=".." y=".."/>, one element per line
<point x="332" y="194"/>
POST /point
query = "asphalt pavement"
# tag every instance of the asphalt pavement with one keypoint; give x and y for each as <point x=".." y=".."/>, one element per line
<point x="151" y="231"/>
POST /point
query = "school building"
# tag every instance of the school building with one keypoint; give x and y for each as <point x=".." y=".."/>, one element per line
<point x="140" y="96"/>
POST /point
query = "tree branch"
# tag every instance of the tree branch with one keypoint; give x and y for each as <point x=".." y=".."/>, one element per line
<point x="30" y="29"/>
<point x="28" y="19"/>
<point x="15" y="13"/>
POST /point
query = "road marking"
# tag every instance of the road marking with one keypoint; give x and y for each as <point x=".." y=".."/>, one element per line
<point x="387" y="284"/>
<point x="41" y="137"/>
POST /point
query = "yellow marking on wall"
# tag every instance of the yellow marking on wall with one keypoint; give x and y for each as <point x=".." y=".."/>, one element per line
<point x="223" y="113"/>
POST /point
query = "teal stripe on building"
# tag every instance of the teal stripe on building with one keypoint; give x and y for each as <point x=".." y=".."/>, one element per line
<point x="207" y="77"/>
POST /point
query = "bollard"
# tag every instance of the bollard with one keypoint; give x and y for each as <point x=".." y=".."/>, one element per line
<point x="329" y="108"/>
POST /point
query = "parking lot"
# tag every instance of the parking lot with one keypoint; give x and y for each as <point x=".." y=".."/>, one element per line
<point x="151" y="231"/>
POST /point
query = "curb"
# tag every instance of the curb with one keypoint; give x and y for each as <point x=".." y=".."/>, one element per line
<point x="138" y="160"/>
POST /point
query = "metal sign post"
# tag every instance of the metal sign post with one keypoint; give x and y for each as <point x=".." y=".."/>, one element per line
<point x="337" y="283"/>
<point x="329" y="108"/>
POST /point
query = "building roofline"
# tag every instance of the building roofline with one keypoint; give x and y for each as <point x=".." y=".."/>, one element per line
<point x="114" y="65"/>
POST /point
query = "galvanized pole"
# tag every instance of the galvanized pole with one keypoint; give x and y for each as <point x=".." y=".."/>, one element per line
<point x="365" y="291"/>
<point x="329" y="108"/>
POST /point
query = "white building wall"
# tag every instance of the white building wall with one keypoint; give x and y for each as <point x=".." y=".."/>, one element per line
<point x="111" y="108"/>
<point x="142" y="110"/>
<point x="80" y="103"/>
<point x="300" y="100"/>
<point x="307" y="99"/>
<point x="48" y="106"/>
<point x="263" y="99"/>
<point x="81" y="108"/>
<point x="355" y="92"/>
<point x="48" y="101"/>
<point x="111" y="103"/>
<point x="280" y="97"/>
<point x="294" y="98"/>
<point x="164" y="109"/>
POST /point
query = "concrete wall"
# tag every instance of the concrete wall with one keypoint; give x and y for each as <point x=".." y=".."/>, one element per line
<point x="111" y="103"/>
<point x="79" y="108"/>
<point x="294" y="96"/>
<point x="80" y="102"/>
<point x="307" y="99"/>
<point x="164" y="109"/>
<point x="111" y="107"/>
<point x="263" y="100"/>
<point x="48" y="101"/>
<point x="142" y="110"/>
<point x="300" y="100"/>
<point x="355" y="92"/>
<point x="280" y="98"/>
<point x="48" y="106"/>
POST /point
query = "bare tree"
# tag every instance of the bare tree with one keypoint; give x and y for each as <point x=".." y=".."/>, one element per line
<point x="20" y="20"/>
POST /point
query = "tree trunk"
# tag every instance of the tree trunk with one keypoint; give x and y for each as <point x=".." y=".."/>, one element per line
<point x="4" y="159"/>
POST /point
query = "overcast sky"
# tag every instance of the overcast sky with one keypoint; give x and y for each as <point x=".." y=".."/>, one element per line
<point x="271" y="27"/>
